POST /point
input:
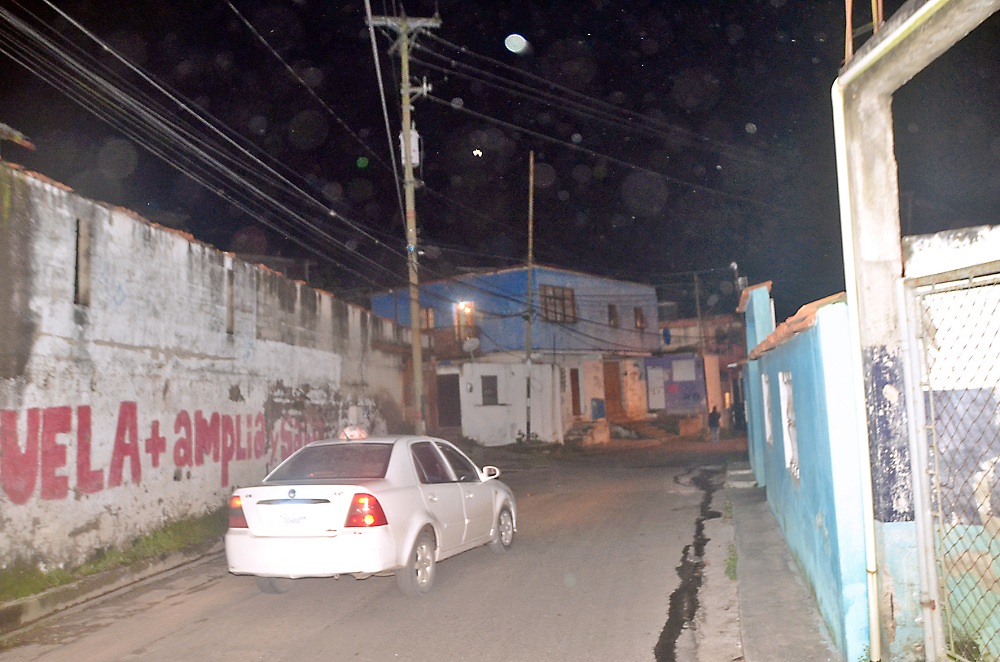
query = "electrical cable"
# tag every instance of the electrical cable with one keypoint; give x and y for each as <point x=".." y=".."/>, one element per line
<point x="629" y="115"/>
<point x="157" y="125"/>
<point x="385" y="109"/>
<point x="631" y="166"/>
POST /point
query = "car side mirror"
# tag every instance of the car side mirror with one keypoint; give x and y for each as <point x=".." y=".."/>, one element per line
<point x="490" y="472"/>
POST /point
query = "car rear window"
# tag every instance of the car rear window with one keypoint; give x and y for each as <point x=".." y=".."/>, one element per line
<point x="336" y="461"/>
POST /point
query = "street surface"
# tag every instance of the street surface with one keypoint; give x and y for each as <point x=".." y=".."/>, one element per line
<point x="590" y="577"/>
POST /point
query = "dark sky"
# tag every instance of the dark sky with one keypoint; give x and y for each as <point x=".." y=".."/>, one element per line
<point x="670" y="137"/>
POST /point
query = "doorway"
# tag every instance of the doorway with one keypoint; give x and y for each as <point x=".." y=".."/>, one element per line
<point x="449" y="401"/>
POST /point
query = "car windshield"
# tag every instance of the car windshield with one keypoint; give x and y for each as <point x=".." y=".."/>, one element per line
<point x="336" y="461"/>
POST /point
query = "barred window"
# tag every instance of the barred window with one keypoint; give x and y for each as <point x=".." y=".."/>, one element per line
<point x="558" y="303"/>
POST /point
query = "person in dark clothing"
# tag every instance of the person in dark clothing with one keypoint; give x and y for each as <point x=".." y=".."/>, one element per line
<point x="713" y="424"/>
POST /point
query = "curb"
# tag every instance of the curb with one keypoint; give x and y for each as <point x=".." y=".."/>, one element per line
<point x="22" y="612"/>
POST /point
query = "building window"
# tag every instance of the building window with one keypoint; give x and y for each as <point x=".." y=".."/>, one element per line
<point x="765" y="390"/>
<point x="640" y="318"/>
<point x="426" y="318"/>
<point x="465" y="319"/>
<point x="788" y="424"/>
<point x="558" y="303"/>
<point x="613" y="316"/>
<point x="81" y="284"/>
<point x="491" y="395"/>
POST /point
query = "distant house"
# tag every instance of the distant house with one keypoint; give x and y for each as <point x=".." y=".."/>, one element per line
<point x="699" y="368"/>
<point x="588" y="336"/>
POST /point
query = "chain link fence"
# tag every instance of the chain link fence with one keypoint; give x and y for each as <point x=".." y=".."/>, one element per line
<point x="959" y="338"/>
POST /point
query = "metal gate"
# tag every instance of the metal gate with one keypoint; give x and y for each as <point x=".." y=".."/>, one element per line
<point x="958" y="334"/>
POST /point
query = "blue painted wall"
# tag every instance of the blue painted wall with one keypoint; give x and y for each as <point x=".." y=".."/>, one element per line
<point x="499" y="298"/>
<point x="819" y="511"/>
<point x="759" y="324"/>
<point x="682" y="396"/>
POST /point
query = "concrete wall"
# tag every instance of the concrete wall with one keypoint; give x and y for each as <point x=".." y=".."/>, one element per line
<point x="756" y="304"/>
<point x="143" y="375"/>
<point x="501" y="424"/>
<point x="817" y="501"/>
<point x="592" y="384"/>
<point x="911" y="40"/>
<point x="634" y="388"/>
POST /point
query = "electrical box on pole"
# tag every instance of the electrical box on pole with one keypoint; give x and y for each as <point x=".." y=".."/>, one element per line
<point x="414" y="147"/>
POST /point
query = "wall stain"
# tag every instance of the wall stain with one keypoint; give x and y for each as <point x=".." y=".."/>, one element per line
<point x="888" y="440"/>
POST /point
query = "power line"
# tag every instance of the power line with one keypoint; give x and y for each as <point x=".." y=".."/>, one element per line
<point x="150" y="127"/>
<point x="631" y="166"/>
<point x="626" y="115"/>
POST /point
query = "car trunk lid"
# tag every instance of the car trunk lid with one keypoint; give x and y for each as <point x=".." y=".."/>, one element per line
<point x="300" y="510"/>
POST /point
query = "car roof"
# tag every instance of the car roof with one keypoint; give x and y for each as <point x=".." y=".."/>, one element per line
<point x="383" y="439"/>
<point x="398" y="471"/>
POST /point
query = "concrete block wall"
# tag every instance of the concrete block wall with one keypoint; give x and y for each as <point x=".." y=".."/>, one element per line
<point x="143" y="374"/>
<point x="810" y="461"/>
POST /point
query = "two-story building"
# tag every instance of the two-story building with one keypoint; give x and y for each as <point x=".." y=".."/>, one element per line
<point x="587" y="337"/>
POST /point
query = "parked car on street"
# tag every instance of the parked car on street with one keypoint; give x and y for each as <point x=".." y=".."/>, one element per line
<point x="369" y="506"/>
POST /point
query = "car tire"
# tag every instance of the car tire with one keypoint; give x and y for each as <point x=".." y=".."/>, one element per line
<point x="274" y="585"/>
<point x="503" y="537"/>
<point x="417" y="576"/>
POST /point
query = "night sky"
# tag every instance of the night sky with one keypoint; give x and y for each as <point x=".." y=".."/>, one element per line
<point x="669" y="138"/>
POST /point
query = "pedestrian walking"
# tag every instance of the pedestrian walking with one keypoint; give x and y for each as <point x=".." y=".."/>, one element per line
<point x="713" y="424"/>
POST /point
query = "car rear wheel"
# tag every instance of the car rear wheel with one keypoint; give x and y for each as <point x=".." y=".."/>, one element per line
<point x="274" y="585"/>
<point x="417" y="576"/>
<point x="503" y="538"/>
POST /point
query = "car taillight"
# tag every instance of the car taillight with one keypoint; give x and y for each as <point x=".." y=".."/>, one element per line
<point x="237" y="520"/>
<point x="365" y="511"/>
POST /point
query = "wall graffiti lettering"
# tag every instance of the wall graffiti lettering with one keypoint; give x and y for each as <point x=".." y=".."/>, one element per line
<point x="36" y="446"/>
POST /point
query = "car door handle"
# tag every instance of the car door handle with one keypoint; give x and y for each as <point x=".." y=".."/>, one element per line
<point x="432" y="497"/>
<point x="470" y="495"/>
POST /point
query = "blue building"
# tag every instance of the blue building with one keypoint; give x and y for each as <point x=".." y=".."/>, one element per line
<point x="588" y="336"/>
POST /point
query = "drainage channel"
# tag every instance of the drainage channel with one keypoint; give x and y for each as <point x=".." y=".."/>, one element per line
<point x="684" y="599"/>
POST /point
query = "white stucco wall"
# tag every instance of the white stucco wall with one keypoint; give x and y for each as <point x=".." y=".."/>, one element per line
<point x="592" y="383"/>
<point x="138" y="407"/>
<point x="924" y="255"/>
<point x="500" y="424"/>
<point x="634" y="388"/>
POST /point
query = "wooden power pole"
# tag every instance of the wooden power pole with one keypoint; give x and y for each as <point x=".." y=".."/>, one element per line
<point x="407" y="29"/>
<point x="530" y="295"/>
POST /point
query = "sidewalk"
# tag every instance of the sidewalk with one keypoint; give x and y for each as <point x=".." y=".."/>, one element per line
<point x="779" y="618"/>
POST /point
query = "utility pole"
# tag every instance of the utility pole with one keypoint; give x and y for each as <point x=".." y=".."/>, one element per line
<point x="407" y="29"/>
<point x="530" y="295"/>
<point x="697" y="308"/>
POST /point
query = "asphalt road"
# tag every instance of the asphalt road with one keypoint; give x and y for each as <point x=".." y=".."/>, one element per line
<point x="590" y="577"/>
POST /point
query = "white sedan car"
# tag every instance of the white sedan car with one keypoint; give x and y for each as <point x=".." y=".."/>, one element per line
<point x="374" y="506"/>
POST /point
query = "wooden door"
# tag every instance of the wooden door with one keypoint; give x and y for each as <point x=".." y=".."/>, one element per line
<point x="613" y="390"/>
